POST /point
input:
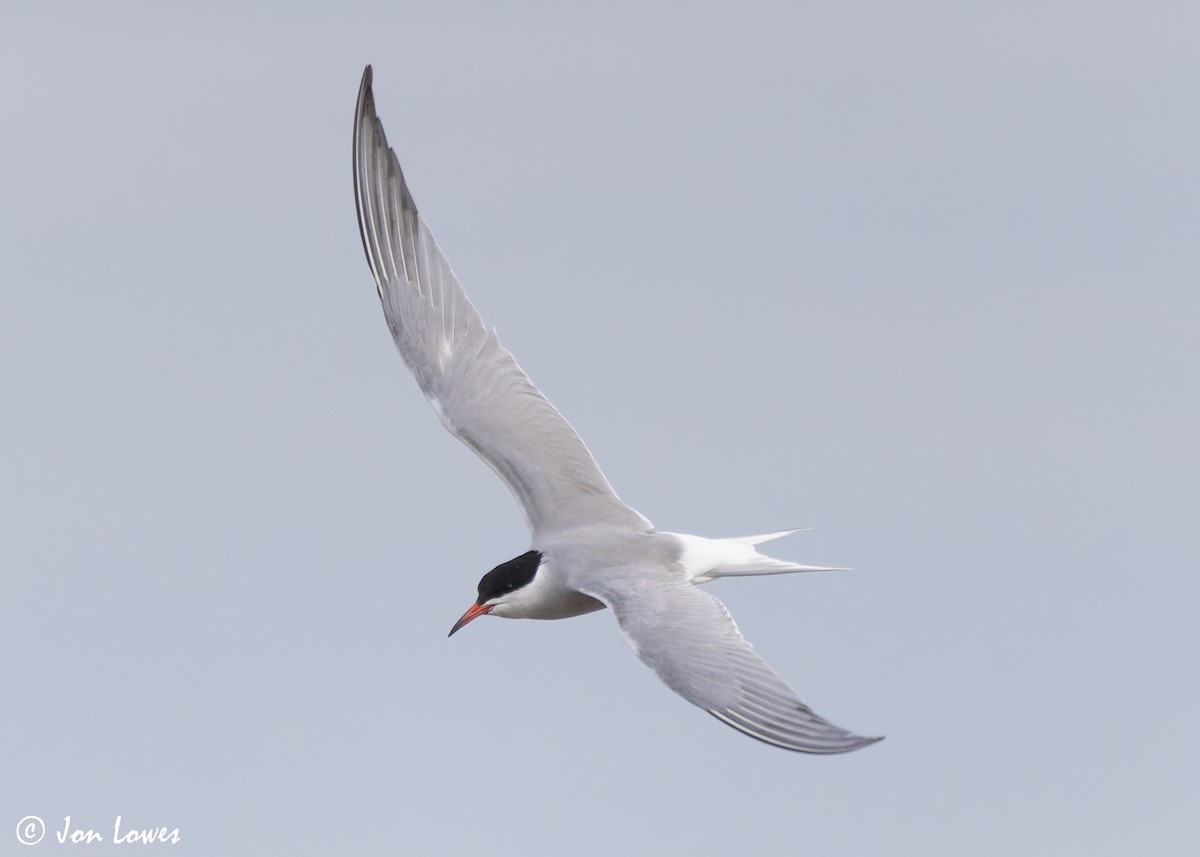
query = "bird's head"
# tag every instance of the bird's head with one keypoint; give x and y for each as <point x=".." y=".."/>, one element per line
<point x="503" y="589"/>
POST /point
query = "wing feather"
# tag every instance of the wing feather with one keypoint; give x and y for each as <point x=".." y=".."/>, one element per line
<point x="481" y="394"/>
<point x="688" y="638"/>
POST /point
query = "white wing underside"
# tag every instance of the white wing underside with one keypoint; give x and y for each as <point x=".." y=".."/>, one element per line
<point x="481" y="394"/>
<point x="688" y="638"/>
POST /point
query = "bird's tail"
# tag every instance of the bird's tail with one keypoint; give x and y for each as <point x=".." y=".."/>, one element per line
<point x="708" y="559"/>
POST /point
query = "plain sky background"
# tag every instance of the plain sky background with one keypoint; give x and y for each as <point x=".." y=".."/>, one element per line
<point x="924" y="276"/>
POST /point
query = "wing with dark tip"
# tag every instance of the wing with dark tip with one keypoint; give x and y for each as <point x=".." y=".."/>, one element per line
<point x="688" y="638"/>
<point x="473" y="383"/>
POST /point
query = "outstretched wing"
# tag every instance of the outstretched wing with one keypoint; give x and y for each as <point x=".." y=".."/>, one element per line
<point x="688" y="638"/>
<point x="474" y="384"/>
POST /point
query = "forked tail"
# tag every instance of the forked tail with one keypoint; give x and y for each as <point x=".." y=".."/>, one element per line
<point x="707" y="559"/>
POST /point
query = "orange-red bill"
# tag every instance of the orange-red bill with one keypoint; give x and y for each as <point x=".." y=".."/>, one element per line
<point x="474" y="612"/>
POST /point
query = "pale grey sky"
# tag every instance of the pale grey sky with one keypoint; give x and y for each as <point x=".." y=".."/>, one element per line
<point x="922" y="276"/>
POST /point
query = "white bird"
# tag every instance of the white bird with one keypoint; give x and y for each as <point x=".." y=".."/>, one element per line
<point x="589" y="550"/>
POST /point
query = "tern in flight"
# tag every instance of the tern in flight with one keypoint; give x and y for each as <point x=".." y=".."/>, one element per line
<point x="589" y="550"/>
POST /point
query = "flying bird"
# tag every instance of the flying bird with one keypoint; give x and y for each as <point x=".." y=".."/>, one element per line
<point x="589" y="550"/>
